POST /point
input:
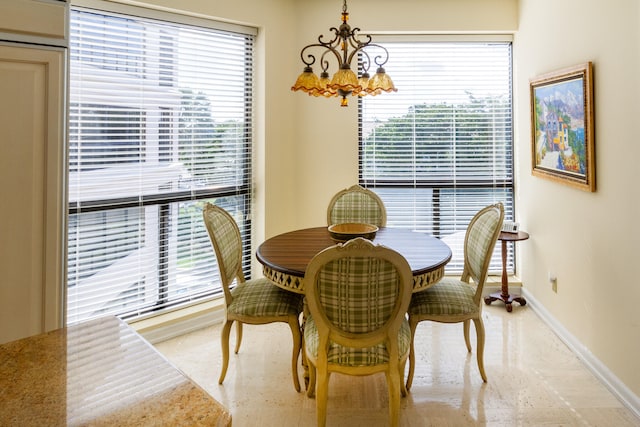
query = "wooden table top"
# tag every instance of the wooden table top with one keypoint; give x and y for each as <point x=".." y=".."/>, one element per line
<point x="513" y="237"/>
<point x="285" y="257"/>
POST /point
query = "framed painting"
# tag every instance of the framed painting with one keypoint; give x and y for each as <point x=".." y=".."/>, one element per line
<point x="562" y="127"/>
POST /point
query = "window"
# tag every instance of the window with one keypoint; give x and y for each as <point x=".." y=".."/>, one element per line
<point x="441" y="148"/>
<point x="160" y="123"/>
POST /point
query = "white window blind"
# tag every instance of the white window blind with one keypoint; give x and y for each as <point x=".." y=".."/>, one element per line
<point x="160" y="122"/>
<point x="441" y="148"/>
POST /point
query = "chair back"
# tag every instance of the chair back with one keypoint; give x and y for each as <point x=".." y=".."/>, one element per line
<point x="227" y="244"/>
<point x="358" y="294"/>
<point x="479" y="243"/>
<point x="356" y="204"/>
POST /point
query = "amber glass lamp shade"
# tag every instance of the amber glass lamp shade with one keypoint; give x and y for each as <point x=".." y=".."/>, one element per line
<point x="380" y="82"/>
<point x="323" y="86"/>
<point x="363" y="82"/>
<point x="307" y="82"/>
<point x="345" y="80"/>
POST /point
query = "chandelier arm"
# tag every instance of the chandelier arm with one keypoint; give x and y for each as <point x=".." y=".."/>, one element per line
<point x="334" y="41"/>
<point x="366" y="61"/>
<point x="324" y="63"/>
<point x="330" y="46"/>
<point x="354" y="38"/>
<point x="356" y="44"/>
<point x="355" y="51"/>
<point x="377" y="57"/>
<point x="312" y="58"/>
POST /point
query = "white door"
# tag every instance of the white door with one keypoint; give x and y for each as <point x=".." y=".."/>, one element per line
<point x="32" y="194"/>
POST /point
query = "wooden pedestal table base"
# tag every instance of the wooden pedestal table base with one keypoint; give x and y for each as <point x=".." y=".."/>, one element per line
<point x="504" y="295"/>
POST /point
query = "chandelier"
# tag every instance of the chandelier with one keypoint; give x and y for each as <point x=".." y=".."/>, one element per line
<point x="344" y="82"/>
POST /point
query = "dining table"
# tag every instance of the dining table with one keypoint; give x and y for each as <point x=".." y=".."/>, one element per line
<point x="285" y="257"/>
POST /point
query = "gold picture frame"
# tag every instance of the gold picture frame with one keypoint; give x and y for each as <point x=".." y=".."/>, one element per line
<point x="562" y="127"/>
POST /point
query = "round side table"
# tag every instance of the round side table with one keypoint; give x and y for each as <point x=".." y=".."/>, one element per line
<point x="504" y="295"/>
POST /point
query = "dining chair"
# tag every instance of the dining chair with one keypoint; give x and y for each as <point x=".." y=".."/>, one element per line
<point x="357" y="295"/>
<point x="454" y="300"/>
<point x="356" y="204"/>
<point x="254" y="301"/>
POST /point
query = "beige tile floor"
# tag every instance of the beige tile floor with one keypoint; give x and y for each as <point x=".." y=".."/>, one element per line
<point x="533" y="380"/>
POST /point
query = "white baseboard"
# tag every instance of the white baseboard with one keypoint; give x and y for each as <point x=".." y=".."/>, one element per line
<point x="613" y="383"/>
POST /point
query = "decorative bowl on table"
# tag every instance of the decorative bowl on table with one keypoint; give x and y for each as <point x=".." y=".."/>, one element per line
<point x="350" y="230"/>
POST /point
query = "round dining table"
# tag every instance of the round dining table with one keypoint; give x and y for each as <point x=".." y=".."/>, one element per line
<point x="285" y="257"/>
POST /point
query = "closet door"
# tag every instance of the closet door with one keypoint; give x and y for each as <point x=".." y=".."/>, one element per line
<point x="32" y="192"/>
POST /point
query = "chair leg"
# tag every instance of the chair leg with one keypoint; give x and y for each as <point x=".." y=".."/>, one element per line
<point x="311" y="388"/>
<point x="480" y="334"/>
<point x="393" y="383"/>
<point x="321" y="397"/>
<point x="297" y="342"/>
<point x="303" y="351"/>
<point x="304" y="362"/>
<point x="403" y="386"/>
<point x="238" y="336"/>
<point x="224" y="343"/>
<point x="467" y="341"/>
<point x="412" y="354"/>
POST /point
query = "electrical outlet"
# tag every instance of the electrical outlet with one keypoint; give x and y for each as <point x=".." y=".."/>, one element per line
<point x="554" y="282"/>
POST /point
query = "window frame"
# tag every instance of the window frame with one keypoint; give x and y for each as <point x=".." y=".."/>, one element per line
<point x="165" y="201"/>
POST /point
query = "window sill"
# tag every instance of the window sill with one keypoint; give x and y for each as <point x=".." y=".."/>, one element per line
<point x="179" y="322"/>
<point x="496" y="280"/>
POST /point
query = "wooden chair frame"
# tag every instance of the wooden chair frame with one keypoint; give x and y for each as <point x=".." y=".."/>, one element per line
<point x="476" y="271"/>
<point x="363" y="193"/>
<point x="320" y="368"/>
<point x="230" y="266"/>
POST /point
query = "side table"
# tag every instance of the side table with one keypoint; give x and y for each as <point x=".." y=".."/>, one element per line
<point x="504" y="295"/>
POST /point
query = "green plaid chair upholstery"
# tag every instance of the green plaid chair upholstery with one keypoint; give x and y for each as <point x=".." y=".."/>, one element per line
<point x="255" y="301"/>
<point x="357" y="294"/>
<point x="356" y="204"/>
<point x="452" y="300"/>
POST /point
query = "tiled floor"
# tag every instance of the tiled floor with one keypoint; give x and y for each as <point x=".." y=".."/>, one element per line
<point x="533" y="379"/>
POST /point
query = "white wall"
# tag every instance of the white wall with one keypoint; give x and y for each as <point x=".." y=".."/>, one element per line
<point x="589" y="240"/>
